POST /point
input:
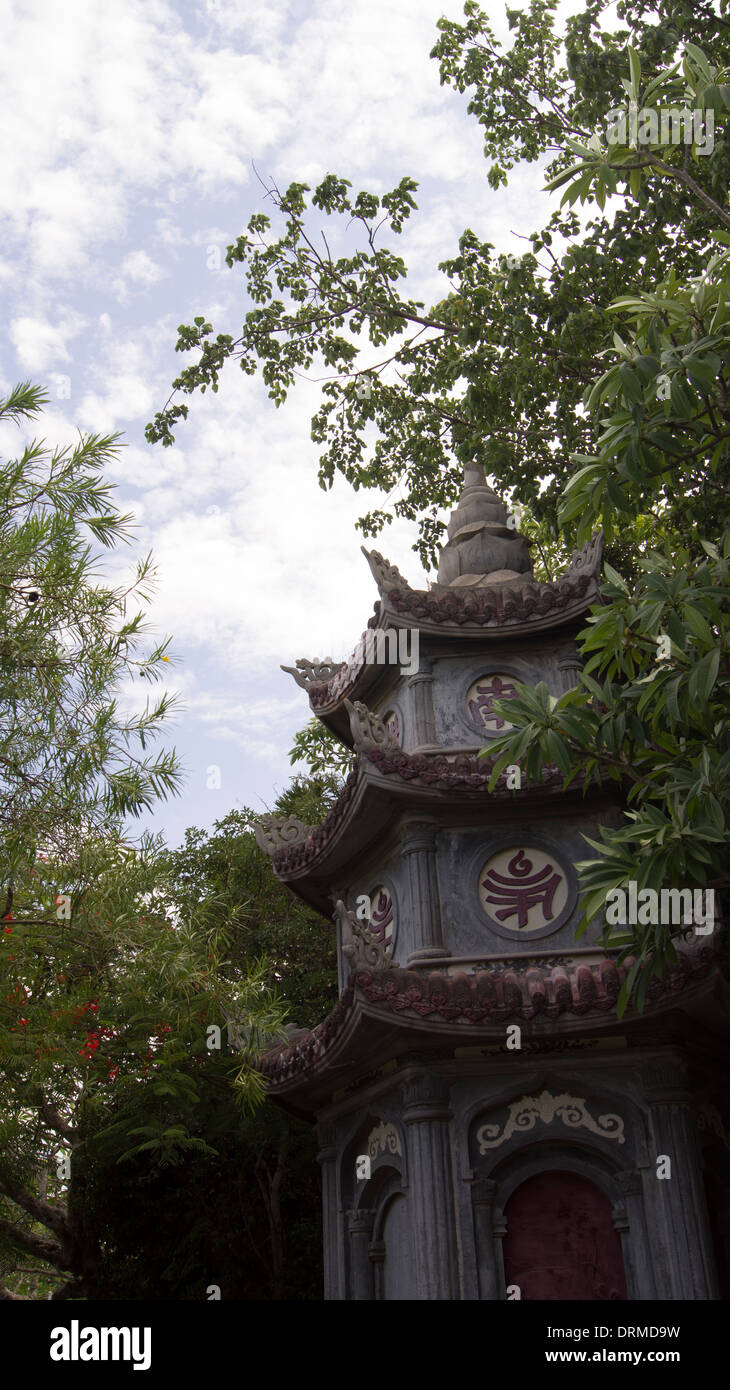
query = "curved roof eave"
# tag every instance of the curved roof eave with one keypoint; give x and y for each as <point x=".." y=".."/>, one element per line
<point x="385" y="784"/>
<point x="384" y="1012"/>
<point x="494" y="612"/>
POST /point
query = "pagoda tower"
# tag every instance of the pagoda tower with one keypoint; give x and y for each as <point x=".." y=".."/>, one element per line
<point x="489" y="1128"/>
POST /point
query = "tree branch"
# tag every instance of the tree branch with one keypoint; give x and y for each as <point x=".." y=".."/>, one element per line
<point x="41" y="1246"/>
<point x="14" y="1297"/>
<point x="56" y="1122"/>
<point x="54" y="1218"/>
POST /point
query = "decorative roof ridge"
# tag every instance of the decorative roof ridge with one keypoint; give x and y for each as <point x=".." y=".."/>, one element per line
<point x="505" y="604"/>
<point x="584" y="560"/>
<point x="272" y="837"/>
<point x="497" y="605"/>
<point x="279" y="832"/>
<point x="508" y="605"/>
<point x="310" y="673"/>
<point x="360" y="947"/>
<point x="493" y="995"/>
<point x="288" y="1058"/>
<point x="466" y="773"/>
<point x="498" y="993"/>
<point x="386" y="576"/>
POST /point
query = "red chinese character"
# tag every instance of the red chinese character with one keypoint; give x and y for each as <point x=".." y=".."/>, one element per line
<point x="523" y="890"/>
<point x="381" y="922"/>
<point x="482" y="710"/>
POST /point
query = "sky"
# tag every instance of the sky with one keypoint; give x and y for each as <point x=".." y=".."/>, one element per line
<point x="135" y="136"/>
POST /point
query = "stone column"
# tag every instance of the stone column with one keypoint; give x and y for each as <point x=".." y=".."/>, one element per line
<point x="499" y="1231"/>
<point x="327" y="1158"/>
<point x="376" y="1252"/>
<point x="680" y="1198"/>
<point x="483" y="1193"/>
<point x="435" y="1261"/>
<point x="423" y="723"/>
<point x="418" y="846"/>
<point x="569" y="666"/>
<point x="360" y="1228"/>
<point x="635" y="1238"/>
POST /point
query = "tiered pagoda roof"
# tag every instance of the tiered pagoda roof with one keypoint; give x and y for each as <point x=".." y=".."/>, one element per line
<point x="484" y="590"/>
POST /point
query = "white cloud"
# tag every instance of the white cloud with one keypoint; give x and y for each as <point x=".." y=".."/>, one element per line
<point x="169" y="233"/>
<point x="39" y="343"/>
<point x="140" y="267"/>
<point x="131" y="133"/>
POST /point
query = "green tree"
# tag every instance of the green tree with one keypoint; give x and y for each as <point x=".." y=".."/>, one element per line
<point x="653" y="707"/>
<point x="101" y="988"/>
<point x="252" y="1195"/>
<point x="495" y="372"/>
<point x="114" y="1009"/>
<point x="327" y="760"/>
<point x="70" y="761"/>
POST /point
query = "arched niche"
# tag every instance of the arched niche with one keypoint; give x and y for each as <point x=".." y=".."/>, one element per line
<point x="392" y="1252"/>
<point x="375" y="1142"/>
<point x="560" y="1241"/>
<point x="372" y="1176"/>
<point x="619" y="1194"/>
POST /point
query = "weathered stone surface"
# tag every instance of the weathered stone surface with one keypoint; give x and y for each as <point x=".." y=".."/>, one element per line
<point x="481" y="545"/>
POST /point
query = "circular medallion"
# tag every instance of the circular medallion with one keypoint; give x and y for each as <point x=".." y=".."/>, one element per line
<point x="381" y="916"/>
<point x="480" y="699"/>
<point x="524" y="889"/>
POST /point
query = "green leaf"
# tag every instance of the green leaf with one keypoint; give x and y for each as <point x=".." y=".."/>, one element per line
<point x="634" y="69"/>
<point x="615" y="578"/>
<point x="698" y="624"/>
<point x="703" y="677"/>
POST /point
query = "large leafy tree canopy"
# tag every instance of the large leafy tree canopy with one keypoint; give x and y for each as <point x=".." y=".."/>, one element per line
<point x="109" y="984"/>
<point x="653" y="705"/>
<point x="137" y="987"/>
<point x="107" y="997"/>
<point x="497" y="369"/>
<point x="588" y="376"/>
<point x="247" y="1178"/>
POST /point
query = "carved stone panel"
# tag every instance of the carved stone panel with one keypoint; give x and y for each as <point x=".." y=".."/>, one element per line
<point x="529" y="1112"/>
<point x="383" y="1139"/>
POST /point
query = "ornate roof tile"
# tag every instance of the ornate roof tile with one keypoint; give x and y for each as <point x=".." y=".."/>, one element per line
<point x="494" y="995"/>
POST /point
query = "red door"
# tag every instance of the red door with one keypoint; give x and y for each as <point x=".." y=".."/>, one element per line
<point x="560" y="1240"/>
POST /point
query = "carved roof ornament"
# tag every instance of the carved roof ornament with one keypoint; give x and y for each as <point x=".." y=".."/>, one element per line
<point x="360" y="948"/>
<point x="588" y="559"/>
<point x="368" y="730"/>
<point x="281" y="832"/>
<point x="482" y="548"/>
<point x="489" y="999"/>
<point x="386" y="576"/>
<point x="310" y="673"/>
